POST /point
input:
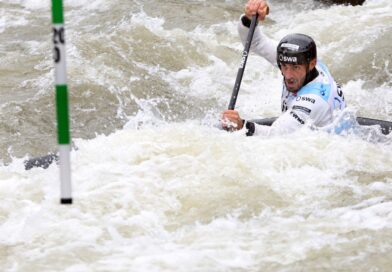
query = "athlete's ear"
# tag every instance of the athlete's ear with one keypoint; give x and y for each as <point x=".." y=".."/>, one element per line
<point x="312" y="64"/>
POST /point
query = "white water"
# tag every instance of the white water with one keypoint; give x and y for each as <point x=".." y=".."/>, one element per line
<point x="155" y="186"/>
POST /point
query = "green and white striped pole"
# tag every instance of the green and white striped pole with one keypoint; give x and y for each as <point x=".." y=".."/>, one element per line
<point x="63" y="133"/>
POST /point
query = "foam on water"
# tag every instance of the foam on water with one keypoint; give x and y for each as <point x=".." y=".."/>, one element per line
<point x="156" y="187"/>
<point x="188" y="197"/>
<point x="45" y="5"/>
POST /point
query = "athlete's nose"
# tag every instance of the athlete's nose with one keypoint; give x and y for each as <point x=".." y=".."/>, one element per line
<point x="288" y="73"/>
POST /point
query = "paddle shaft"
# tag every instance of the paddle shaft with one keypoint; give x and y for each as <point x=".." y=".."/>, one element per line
<point x="241" y="69"/>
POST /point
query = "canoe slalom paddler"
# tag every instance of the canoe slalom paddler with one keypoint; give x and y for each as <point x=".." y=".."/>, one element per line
<point x="309" y="93"/>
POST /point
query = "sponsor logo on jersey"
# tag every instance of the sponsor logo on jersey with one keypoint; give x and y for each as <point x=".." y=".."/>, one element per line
<point x="303" y="109"/>
<point x="307" y="99"/>
<point x="296" y="117"/>
<point x="284" y="106"/>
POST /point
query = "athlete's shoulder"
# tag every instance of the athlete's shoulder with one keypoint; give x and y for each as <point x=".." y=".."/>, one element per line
<point x="317" y="88"/>
<point x="321" y="66"/>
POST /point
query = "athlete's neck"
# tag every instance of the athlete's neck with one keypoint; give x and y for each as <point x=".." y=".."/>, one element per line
<point x="310" y="76"/>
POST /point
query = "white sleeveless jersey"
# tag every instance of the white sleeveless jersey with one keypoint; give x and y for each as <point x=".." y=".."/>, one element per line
<point x="313" y="103"/>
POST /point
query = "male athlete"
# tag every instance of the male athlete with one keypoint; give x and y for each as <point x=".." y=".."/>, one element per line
<point x="309" y="93"/>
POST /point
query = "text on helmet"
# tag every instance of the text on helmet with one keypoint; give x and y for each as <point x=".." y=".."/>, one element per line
<point x="284" y="58"/>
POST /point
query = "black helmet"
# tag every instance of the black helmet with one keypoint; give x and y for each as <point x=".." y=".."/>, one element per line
<point x="296" y="49"/>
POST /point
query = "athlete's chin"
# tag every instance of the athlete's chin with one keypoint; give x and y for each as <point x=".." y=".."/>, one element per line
<point x="292" y="88"/>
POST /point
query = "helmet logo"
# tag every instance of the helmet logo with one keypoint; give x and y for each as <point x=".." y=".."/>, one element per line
<point x="290" y="46"/>
<point x="283" y="58"/>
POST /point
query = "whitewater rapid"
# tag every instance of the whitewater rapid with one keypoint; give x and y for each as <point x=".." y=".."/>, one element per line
<point x="156" y="185"/>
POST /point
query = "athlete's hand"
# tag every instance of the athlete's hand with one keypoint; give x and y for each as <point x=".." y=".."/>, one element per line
<point x="231" y="120"/>
<point x="257" y="6"/>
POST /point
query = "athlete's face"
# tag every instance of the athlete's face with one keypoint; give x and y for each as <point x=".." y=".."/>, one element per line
<point x="294" y="76"/>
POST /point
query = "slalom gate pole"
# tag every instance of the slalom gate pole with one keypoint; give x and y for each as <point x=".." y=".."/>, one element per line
<point x="63" y="134"/>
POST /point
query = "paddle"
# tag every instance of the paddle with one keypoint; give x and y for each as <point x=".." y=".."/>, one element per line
<point x="43" y="161"/>
<point x="386" y="126"/>
<point x="241" y="69"/>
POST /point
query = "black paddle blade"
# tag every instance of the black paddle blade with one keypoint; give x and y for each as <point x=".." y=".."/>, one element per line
<point x="43" y="161"/>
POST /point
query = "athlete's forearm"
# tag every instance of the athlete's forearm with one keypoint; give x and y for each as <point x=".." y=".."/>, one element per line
<point x="261" y="44"/>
